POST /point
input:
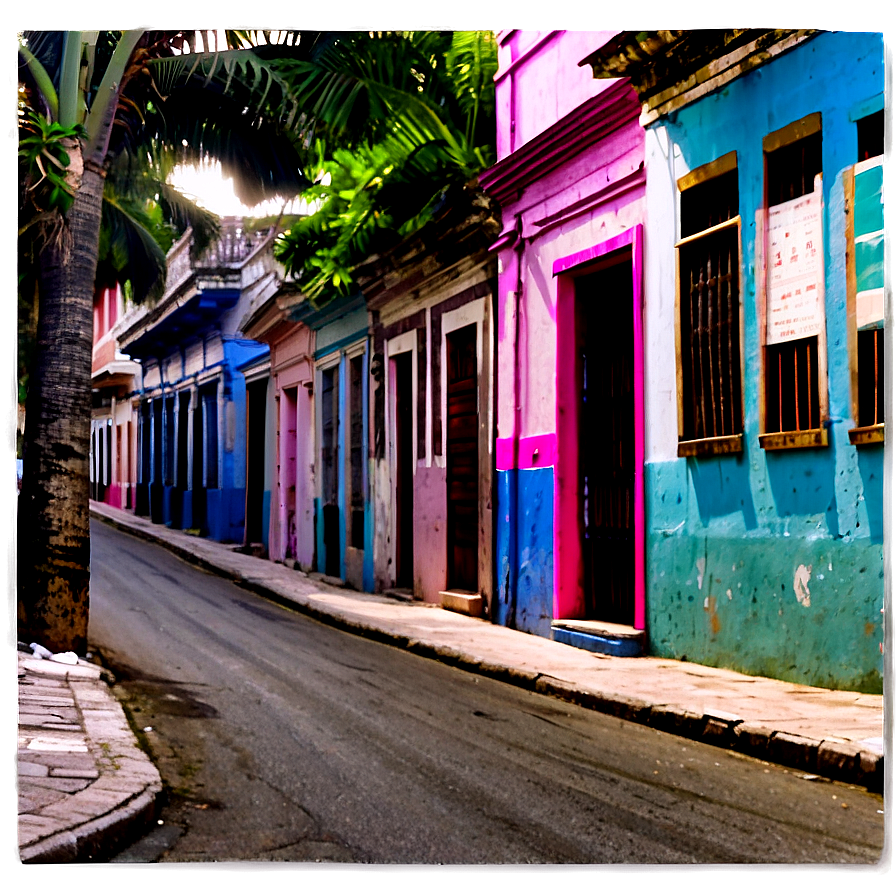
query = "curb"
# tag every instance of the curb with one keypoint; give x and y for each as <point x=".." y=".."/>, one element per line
<point x="98" y="839"/>
<point x="105" y="817"/>
<point x="840" y="761"/>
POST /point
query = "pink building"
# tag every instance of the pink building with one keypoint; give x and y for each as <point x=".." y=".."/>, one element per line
<point x="113" y="426"/>
<point x="569" y="450"/>
<point x="280" y="453"/>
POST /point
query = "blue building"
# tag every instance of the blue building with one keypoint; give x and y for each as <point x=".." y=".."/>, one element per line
<point x="764" y="345"/>
<point x="192" y="421"/>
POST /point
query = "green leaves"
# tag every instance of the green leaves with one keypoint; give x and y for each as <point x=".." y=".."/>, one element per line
<point x="401" y="118"/>
<point x="44" y="159"/>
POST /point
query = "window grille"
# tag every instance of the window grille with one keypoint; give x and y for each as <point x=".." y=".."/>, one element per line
<point x="709" y="332"/>
<point x="865" y="279"/>
<point x="356" y="440"/>
<point x="793" y="409"/>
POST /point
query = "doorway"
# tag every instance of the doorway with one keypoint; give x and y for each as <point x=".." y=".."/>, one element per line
<point x="402" y="377"/>
<point x="606" y="377"/>
<point x="463" y="459"/>
<point x="329" y="413"/>
<point x="256" y="413"/>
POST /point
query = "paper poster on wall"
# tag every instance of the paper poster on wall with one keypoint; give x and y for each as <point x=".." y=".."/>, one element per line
<point x="795" y="269"/>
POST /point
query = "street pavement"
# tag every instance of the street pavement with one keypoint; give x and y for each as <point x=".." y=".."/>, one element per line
<point x="85" y="787"/>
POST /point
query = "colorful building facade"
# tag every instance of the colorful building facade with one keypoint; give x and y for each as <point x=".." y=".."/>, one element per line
<point x="570" y="506"/>
<point x="764" y="346"/>
<point x="113" y="425"/>
<point x="431" y="304"/>
<point x="281" y="436"/>
<point x="192" y="423"/>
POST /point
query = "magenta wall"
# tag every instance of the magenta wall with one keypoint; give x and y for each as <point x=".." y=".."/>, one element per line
<point x="571" y="185"/>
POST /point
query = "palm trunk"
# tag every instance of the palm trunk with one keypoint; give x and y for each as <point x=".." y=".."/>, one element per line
<point x="54" y="519"/>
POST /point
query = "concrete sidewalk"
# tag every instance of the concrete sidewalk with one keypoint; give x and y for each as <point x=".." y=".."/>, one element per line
<point x="86" y="789"/>
<point x="834" y="734"/>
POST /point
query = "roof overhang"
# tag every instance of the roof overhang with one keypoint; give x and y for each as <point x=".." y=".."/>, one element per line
<point x="188" y="316"/>
<point x="115" y="375"/>
<point x="669" y="69"/>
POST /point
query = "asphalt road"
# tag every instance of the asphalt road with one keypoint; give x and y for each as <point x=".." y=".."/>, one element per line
<point x="281" y="739"/>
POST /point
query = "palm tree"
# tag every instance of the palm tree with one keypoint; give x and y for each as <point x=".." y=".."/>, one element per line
<point x="96" y="100"/>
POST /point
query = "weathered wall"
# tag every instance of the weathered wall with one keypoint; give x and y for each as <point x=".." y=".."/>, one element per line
<point x="539" y="81"/>
<point x="524" y="548"/>
<point x="769" y="562"/>
<point x="590" y="198"/>
<point x="430" y="532"/>
<point x="292" y="369"/>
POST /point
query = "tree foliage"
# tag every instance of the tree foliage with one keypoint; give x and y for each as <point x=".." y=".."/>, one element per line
<point x="399" y="120"/>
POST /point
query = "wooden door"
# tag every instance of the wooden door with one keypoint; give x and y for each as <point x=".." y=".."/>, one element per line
<point x="462" y="435"/>
<point x="403" y="470"/>
<point x="605" y="333"/>
<point x="330" y="470"/>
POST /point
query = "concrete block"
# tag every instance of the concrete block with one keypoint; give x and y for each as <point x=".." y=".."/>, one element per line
<point x="838" y="760"/>
<point x="794" y="751"/>
<point x="676" y="720"/>
<point x="718" y="732"/>
<point x="752" y="739"/>
<point x="87" y="773"/>
<point x="56" y="850"/>
<point x="871" y="771"/>
<point x="466" y="602"/>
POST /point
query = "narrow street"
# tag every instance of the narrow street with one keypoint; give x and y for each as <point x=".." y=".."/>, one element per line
<point x="281" y="739"/>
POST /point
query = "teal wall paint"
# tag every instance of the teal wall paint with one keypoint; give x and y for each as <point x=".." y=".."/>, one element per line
<point x="727" y="537"/>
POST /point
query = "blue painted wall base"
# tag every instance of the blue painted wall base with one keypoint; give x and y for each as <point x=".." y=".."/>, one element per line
<point x="525" y="550"/>
<point x="226" y="514"/>
<point x="598" y="643"/>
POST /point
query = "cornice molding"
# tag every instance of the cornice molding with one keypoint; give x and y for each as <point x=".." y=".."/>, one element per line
<point x="586" y="125"/>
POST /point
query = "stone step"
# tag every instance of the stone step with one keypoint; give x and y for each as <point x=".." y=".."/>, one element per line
<point x="467" y="602"/>
<point x="608" y="638"/>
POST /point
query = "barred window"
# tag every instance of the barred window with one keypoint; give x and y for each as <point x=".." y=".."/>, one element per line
<point x="708" y="319"/>
<point x="865" y="279"/>
<point x="795" y="402"/>
<point x="356" y="454"/>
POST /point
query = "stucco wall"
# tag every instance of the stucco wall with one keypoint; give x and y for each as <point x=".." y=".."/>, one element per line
<point x="539" y="81"/>
<point x="768" y="562"/>
<point x="589" y="199"/>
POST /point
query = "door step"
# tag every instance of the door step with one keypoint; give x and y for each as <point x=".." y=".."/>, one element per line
<point x="467" y="602"/>
<point x="600" y="637"/>
<point x="405" y="594"/>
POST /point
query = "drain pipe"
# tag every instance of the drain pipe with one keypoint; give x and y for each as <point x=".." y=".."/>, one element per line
<point x="512" y="239"/>
<point x="518" y="247"/>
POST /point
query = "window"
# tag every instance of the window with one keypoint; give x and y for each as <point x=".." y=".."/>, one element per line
<point x="356" y="454"/>
<point x="870" y="135"/>
<point x="708" y="317"/>
<point x="169" y="441"/>
<point x="329" y="406"/>
<point x="157" y="441"/>
<point x="865" y="280"/>
<point x="210" y="436"/>
<point x="795" y="405"/>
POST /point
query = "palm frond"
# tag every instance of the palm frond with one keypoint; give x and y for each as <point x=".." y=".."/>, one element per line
<point x="234" y="107"/>
<point x="129" y="249"/>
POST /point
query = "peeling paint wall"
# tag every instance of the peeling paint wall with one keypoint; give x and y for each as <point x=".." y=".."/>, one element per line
<point x="560" y="209"/>
<point x="525" y="534"/>
<point x="769" y="562"/>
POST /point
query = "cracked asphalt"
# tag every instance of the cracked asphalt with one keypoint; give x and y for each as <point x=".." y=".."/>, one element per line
<point x="281" y="739"/>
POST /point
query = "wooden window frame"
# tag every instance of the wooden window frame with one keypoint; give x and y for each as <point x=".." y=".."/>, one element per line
<point x="816" y="437"/>
<point x="714" y="445"/>
<point x="876" y="433"/>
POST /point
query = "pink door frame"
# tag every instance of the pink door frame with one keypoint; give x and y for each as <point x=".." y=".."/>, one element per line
<point x="568" y="563"/>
